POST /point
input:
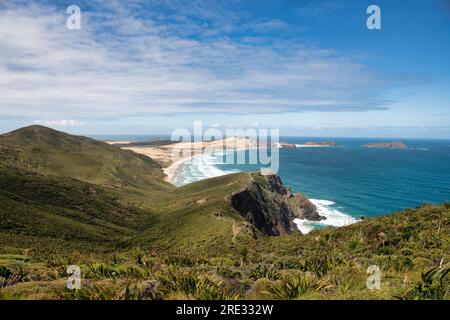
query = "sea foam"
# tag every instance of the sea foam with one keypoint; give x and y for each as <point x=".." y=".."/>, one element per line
<point x="333" y="217"/>
<point x="197" y="168"/>
<point x="204" y="166"/>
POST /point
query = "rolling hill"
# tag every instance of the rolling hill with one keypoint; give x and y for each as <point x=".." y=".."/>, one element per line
<point x="47" y="151"/>
<point x="75" y="188"/>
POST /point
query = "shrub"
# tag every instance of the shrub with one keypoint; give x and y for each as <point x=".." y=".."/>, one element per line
<point x="127" y="291"/>
<point x="221" y="262"/>
<point x="229" y="273"/>
<point x="102" y="270"/>
<point x="319" y="265"/>
<point x="150" y="290"/>
<point x="179" y="261"/>
<point x="5" y="272"/>
<point x="210" y="290"/>
<point x="9" y="281"/>
<point x="401" y="263"/>
<point x="139" y="257"/>
<point x="288" y="263"/>
<point x="177" y="279"/>
<point x="263" y="271"/>
<point x="434" y="284"/>
<point x="20" y="271"/>
<point x="193" y="285"/>
<point x="293" y="287"/>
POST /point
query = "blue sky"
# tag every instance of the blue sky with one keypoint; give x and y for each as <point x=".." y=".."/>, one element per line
<point x="310" y="68"/>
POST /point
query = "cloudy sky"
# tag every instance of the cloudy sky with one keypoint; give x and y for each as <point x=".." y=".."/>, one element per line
<point x="310" y="68"/>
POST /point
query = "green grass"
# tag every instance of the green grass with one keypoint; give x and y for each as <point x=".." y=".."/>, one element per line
<point x="321" y="265"/>
<point x="70" y="200"/>
<point x="43" y="150"/>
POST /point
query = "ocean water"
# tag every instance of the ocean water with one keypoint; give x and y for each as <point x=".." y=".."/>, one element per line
<point x="350" y="181"/>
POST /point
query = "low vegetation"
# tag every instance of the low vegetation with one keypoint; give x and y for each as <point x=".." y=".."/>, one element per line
<point x="140" y="238"/>
<point x="411" y="248"/>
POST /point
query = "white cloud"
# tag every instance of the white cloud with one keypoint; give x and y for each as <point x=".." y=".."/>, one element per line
<point x="59" y="123"/>
<point x="121" y="64"/>
<point x="267" y="26"/>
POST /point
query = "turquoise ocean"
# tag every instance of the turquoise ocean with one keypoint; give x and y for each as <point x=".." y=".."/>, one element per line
<point x="349" y="181"/>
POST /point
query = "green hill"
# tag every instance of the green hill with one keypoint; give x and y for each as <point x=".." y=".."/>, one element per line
<point x="47" y="151"/>
<point x="50" y="208"/>
<point x="73" y="200"/>
<point x="52" y="181"/>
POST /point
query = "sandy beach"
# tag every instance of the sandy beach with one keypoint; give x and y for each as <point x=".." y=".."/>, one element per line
<point x="171" y="156"/>
<point x="112" y="142"/>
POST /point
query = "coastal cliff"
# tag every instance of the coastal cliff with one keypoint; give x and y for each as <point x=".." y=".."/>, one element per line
<point x="270" y="207"/>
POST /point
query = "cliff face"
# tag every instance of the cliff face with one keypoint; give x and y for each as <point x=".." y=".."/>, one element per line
<point x="271" y="207"/>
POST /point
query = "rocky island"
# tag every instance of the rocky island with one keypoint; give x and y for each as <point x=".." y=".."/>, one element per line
<point x="321" y="143"/>
<point x="386" y="145"/>
<point x="285" y="145"/>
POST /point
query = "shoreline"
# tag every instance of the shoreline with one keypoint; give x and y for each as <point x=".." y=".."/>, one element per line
<point x="170" y="170"/>
<point x="163" y="153"/>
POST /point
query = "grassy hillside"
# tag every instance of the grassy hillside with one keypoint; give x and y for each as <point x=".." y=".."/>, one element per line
<point x="121" y="198"/>
<point x="47" y="151"/>
<point x="408" y="247"/>
<point x="200" y="218"/>
<point x="72" y="200"/>
<point x="50" y="207"/>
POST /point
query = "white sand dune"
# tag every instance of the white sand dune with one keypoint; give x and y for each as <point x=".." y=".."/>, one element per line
<point x="171" y="156"/>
